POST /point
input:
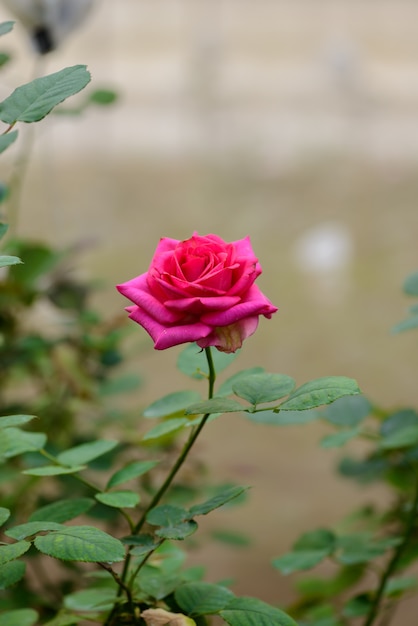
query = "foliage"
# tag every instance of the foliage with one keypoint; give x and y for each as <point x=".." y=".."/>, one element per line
<point x="373" y="540"/>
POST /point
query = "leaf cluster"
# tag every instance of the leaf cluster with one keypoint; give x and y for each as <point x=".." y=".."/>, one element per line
<point x="255" y="395"/>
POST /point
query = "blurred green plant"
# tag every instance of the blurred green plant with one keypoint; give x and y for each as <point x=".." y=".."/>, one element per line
<point x="151" y="583"/>
<point x="57" y="354"/>
<point x="371" y="557"/>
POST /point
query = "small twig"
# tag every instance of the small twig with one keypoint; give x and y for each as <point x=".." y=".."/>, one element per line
<point x="168" y="481"/>
<point x="9" y="128"/>
<point x="409" y="529"/>
<point x="144" y="560"/>
<point x="118" y="580"/>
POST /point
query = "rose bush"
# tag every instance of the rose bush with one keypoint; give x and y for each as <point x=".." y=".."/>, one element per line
<point x="201" y="289"/>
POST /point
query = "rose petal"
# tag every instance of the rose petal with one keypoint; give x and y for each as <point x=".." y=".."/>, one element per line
<point x="244" y="249"/>
<point x="255" y="303"/>
<point x="241" y="283"/>
<point x="179" y="286"/>
<point x="165" y="245"/>
<point x="167" y="336"/>
<point x="138" y="292"/>
<point x="199" y="305"/>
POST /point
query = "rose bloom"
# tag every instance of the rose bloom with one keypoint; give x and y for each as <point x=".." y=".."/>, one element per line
<point x="201" y="290"/>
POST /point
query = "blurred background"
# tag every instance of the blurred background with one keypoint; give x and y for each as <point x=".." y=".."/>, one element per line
<point x="292" y="121"/>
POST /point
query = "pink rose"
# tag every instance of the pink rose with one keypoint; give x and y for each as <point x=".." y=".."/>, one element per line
<point x="201" y="290"/>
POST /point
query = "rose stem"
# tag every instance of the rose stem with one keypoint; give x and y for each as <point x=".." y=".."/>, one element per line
<point x="410" y="525"/>
<point x="177" y="465"/>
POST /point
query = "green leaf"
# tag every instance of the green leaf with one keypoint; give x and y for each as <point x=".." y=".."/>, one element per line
<point x="133" y="470"/>
<point x="142" y="544"/>
<point x="363" y="471"/>
<point x="53" y="470"/>
<point x="169" y="426"/>
<point x="348" y="411"/>
<point x="86" y="452"/>
<point x="19" y="617"/>
<point x="5" y="57"/>
<point x="81" y="543"/>
<point x="397" y="586"/>
<point x="399" y="420"/>
<point x="410" y="286"/>
<point x="12" y="551"/>
<point x="287" y="418"/>
<point x="195" y="421"/>
<point x="62" y="510"/>
<point x="318" y="392"/>
<point x="231" y="538"/>
<point x="299" y="560"/>
<point x="170" y="561"/>
<point x="194" y="574"/>
<point x="31" y="528"/>
<point x="215" y="405"/>
<point x="156" y="584"/>
<point x="322" y="539"/>
<point x="14" y="441"/>
<point x="322" y="615"/>
<point x="39" y="260"/>
<point x="324" y="588"/>
<point x="179" y="531"/>
<point x="4" y="192"/>
<point x="361" y="548"/>
<point x="103" y="97"/>
<point x="119" y="499"/>
<point x="15" y="420"/>
<point x="11" y="573"/>
<point x="226" y="388"/>
<point x="167" y="515"/>
<point x="409" y="324"/>
<point x="6" y="141"/>
<point x="33" y="101"/>
<point x="254" y="612"/>
<point x="262" y="388"/>
<point x="171" y="404"/>
<point x="101" y="599"/>
<point x="6" y="27"/>
<point x="310" y="549"/>
<point x="339" y="439"/>
<point x="219" y="500"/>
<point x="358" y="606"/>
<point x="4" y="515"/>
<point x="3" y="229"/>
<point x="192" y="361"/>
<point x="201" y="598"/>
<point x="404" y="438"/>
<point x="174" y="522"/>
<point x="6" y="261"/>
<point x="64" y="619"/>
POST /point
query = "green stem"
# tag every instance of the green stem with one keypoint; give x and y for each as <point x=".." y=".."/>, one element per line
<point x="177" y="465"/>
<point x="409" y="529"/>
<point x="142" y="563"/>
